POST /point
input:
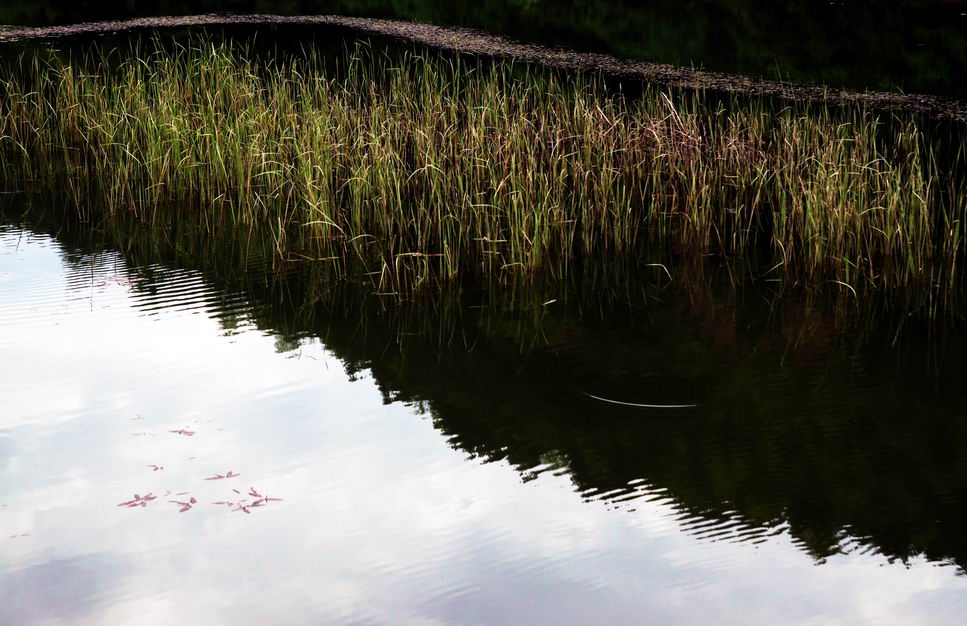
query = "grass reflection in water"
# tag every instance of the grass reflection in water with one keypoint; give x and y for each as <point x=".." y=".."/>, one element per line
<point x="821" y="423"/>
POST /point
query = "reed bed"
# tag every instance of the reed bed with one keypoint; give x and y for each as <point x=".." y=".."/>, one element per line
<point x="418" y="168"/>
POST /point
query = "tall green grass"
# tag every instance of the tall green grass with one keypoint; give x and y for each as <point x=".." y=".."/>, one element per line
<point x="420" y="168"/>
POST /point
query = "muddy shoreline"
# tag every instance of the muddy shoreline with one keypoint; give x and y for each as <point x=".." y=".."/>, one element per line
<point x="479" y="43"/>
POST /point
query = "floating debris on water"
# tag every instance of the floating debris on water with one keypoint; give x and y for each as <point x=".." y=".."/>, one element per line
<point x="230" y="474"/>
<point x="139" y="500"/>
<point x="184" y="505"/>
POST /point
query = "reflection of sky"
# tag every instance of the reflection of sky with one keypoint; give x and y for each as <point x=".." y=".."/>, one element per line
<point x="381" y="521"/>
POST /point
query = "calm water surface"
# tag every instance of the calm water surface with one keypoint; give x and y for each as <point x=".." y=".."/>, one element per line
<point x="471" y="480"/>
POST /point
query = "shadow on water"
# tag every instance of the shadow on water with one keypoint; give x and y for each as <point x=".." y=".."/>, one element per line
<point x="917" y="46"/>
<point x="842" y="430"/>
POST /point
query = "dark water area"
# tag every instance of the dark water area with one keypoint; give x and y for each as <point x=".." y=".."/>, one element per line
<point x="699" y="455"/>
<point x="914" y="46"/>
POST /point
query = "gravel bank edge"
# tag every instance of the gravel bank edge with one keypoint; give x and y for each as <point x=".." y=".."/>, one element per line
<point x="476" y="42"/>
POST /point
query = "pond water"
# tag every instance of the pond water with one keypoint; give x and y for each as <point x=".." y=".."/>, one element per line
<point x="915" y="46"/>
<point x="472" y="466"/>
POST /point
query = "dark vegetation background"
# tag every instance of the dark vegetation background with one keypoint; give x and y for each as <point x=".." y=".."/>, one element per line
<point x="916" y="46"/>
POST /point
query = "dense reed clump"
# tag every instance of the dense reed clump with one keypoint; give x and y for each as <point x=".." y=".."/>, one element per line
<point x="419" y="167"/>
